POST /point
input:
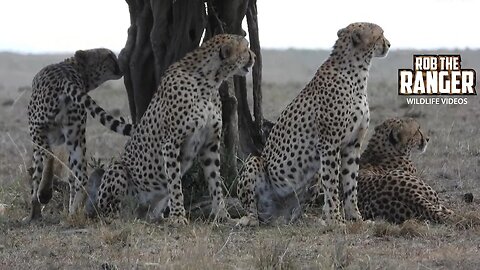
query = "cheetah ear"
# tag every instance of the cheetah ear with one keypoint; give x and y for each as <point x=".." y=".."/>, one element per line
<point x="357" y="37"/>
<point x="226" y="51"/>
<point x="81" y="56"/>
<point x="342" y="32"/>
<point x="30" y="171"/>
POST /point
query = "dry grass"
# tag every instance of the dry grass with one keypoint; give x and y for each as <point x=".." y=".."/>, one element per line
<point x="468" y="220"/>
<point x="409" y="229"/>
<point x="274" y="255"/>
<point x="59" y="242"/>
<point x="450" y="165"/>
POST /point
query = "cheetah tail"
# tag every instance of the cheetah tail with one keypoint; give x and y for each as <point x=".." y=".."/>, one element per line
<point x="45" y="189"/>
<point x="94" y="182"/>
<point x="116" y="125"/>
<point x="98" y="113"/>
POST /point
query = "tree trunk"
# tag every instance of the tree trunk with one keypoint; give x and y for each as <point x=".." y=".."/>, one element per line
<point x="163" y="31"/>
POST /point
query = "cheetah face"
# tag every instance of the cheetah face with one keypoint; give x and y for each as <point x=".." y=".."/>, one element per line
<point x="235" y="56"/>
<point x="366" y="37"/>
<point x="407" y="137"/>
<point x="420" y="142"/>
<point x="102" y="64"/>
<point x="245" y="69"/>
<point x="381" y="47"/>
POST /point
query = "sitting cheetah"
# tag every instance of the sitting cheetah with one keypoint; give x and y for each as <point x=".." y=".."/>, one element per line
<point x="183" y="120"/>
<point x="320" y="132"/>
<point x="388" y="186"/>
<point x="57" y="114"/>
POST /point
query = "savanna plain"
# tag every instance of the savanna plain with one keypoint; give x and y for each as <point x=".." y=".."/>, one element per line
<point x="450" y="164"/>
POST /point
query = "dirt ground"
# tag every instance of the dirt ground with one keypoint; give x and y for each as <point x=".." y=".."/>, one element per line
<point x="450" y="165"/>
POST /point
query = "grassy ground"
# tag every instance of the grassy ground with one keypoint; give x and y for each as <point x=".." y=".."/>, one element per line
<point x="450" y="165"/>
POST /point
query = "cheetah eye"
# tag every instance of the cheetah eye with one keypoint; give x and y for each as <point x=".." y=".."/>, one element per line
<point x="110" y="58"/>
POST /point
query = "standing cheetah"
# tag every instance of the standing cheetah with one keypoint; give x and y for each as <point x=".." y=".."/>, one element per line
<point x="57" y="114"/>
<point x="319" y="133"/>
<point x="388" y="184"/>
<point x="182" y="121"/>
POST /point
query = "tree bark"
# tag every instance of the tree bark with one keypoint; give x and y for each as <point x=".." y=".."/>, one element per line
<point x="227" y="17"/>
<point x="257" y="68"/>
<point x="161" y="32"/>
<point x="136" y="59"/>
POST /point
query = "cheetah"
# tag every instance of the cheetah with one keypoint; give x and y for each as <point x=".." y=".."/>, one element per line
<point x="388" y="184"/>
<point x="57" y="114"/>
<point x="182" y="121"/>
<point x="319" y="134"/>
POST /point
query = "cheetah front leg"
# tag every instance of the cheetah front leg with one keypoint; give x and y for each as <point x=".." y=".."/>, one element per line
<point x="348" y="177"/>
<point x="432" y="211"/>
<point x="330" y="177"/>
<point x="253" y="175"/>
<point x="210" y="158"/>
<point x="171" y="155"/>
<point x="76" y="147"/>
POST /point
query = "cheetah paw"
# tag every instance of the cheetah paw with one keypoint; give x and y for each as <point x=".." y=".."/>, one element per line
<point x="177" y="221"/>
<point x="354" y="216"/>
<point x="334" y="222"/>
<point x="368" y="222"/>
<point x="248" y="221"/>
<point x="220" y="216"/>
<point x="34" y="216"/>
<point x="31" y="220"/>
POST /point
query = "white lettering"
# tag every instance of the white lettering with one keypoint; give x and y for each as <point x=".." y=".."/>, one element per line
<point x="405" y="82"/>
<point x="443" y="82"/>
<point x="419" y="84"/>
<point x="455" y="82"/>
<point x="468" y="81"/>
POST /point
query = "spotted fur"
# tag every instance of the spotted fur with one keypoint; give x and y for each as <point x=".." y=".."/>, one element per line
<point x="57" y="114"/>
<point x="388" y="184"/>
<point x="182" y="121"/>
<point x="319" y="133"/>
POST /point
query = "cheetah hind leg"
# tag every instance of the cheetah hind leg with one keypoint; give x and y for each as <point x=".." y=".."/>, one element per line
<point x="75" y="134"/>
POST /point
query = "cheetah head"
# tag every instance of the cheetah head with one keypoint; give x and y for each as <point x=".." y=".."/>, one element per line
<point x="100" y="65"/>
<point x="229" y="55"/>
<point x="399" y="137"/>
<point x="364" y="38"/>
